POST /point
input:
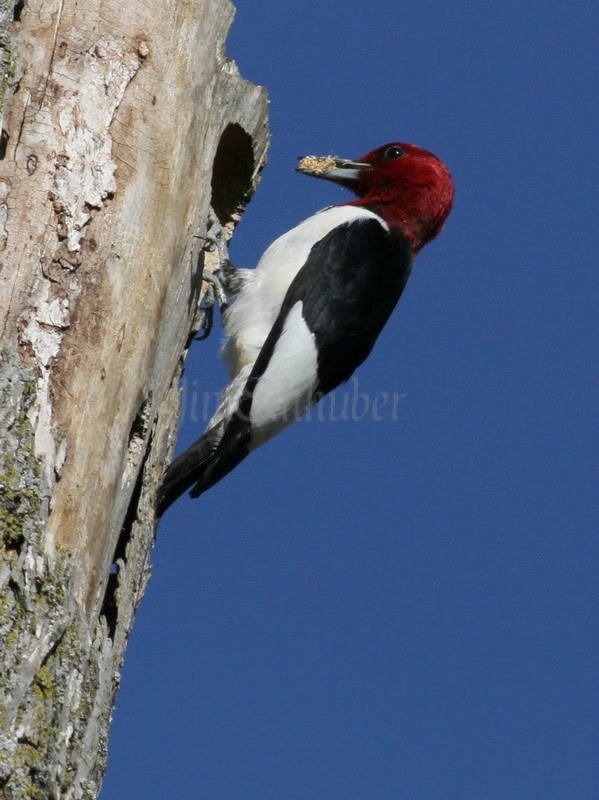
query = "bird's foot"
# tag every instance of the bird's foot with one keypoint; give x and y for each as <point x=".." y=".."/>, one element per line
<point x="216" y="256"/>
<point x="215" y="239"/>
<point x="214" y="294"/>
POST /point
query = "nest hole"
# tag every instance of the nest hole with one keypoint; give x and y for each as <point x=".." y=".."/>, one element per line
<point x="232" y="173"/>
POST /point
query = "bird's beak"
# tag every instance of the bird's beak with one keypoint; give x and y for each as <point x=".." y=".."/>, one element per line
<point x="330" y="168"/>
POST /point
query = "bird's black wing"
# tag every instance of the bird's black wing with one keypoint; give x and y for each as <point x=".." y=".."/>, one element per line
<point x="348" y="287"/>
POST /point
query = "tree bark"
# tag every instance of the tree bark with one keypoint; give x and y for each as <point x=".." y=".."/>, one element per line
<point x="123" y="124"/>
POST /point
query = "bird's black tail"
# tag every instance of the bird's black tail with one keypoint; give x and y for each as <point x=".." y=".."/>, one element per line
<point x="188" y="468"/>
<point x="206" y="462"/>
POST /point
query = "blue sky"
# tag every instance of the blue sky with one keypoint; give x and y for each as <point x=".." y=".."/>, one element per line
<point x="402" y="609"/>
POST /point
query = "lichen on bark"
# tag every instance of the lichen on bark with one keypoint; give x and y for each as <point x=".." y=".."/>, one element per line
<point x="34" y="605"/>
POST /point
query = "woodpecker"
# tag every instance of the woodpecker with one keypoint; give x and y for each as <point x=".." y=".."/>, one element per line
<point x="309" y="314"/>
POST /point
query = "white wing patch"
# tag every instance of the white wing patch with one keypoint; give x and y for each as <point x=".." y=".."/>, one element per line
<point x="284" y="392"/>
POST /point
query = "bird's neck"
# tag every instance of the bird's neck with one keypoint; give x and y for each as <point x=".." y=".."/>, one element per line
<point x="419" y="214"/>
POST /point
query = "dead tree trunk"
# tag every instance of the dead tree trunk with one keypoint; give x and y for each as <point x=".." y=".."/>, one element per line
<point x="123" y="123"/>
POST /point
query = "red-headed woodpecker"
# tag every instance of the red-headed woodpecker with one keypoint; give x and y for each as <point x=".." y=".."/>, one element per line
<point x="311" y="311"/>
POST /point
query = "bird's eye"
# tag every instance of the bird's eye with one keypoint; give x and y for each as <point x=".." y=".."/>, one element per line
<point x="394" y="152"/>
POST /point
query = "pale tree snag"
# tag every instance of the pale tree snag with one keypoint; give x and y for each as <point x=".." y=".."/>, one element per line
<point x="123" y="123"/>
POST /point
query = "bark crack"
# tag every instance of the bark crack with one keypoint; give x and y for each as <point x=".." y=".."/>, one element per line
<point x="21" y="126"/>
<point x="50" y="69"/>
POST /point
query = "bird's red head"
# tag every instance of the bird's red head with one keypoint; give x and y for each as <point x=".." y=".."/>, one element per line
<point x="409" y="187"/>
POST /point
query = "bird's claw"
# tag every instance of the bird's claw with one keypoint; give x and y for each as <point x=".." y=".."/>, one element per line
<point x="214" y="243"/>
<point x="216" y="289"/>
<point x="211" y="242"/>
<point x="215" y="293"/>
<point x="215" y="238"/>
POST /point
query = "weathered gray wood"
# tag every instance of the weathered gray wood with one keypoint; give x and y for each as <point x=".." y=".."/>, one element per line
<point x="123" y="123"/>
